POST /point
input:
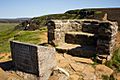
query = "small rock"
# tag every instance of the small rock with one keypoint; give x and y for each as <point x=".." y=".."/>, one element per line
<point x="59" y="57"/>
<point x="26" y="76"/>
<point x="53" y="77"/>
<point x="74" y="77"/>
<point x="77" y="67"/>
<point x="67" y="56"/>
<point x="103" y="70"/>
<point x="14" y="77"/>
<point x="63" y="63"/>
<point x="89" y="69"/>
<point x="88" y="73"/>
<point x="117" y="76"/>
<point x="3" y="75"/>
<point x="57" y="75"/>
<point x="83" y="60"/>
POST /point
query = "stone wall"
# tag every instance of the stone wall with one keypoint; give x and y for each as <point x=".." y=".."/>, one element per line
<point x="90" y="26"/>
<point x="58" y="28"/>
<point x="33" y="59"/>
<point x="106" y="37"/>
<point x="80" y="31"/>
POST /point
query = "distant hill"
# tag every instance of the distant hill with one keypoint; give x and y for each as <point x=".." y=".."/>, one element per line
<point x="112" y="13"/>
<point x="16" y="20"/>
<point x="91" y="13"/>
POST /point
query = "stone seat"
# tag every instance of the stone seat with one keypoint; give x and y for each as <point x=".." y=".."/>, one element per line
<point x="76" y="50"/>
<point x="81" y="38"/>
<point x="80" y="33"/>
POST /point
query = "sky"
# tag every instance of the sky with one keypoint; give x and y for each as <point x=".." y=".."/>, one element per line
<point x="34" y="8"/>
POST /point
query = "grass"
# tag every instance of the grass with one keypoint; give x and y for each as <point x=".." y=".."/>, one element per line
<point x="29" y="36"/>
<point x="106" y="77"/>
<point x="8" y="33"/>
<point x="114" y="63"/>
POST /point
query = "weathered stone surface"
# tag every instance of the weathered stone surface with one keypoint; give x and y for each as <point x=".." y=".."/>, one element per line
<point x="14" y="77"/>
<point x="103" y="70"/>
<point x="107" y="28"/>
<point x="58" y="75"/>
<point x="58" y="28"/>
<point x="83" y="60"/>
<point x="82" y="70"/>
<point x="26" y="76"/>
<point x="76" y="50"/>
<point x="63" y="60"/>
<point x="88" y="73"/>
<point x="59" y="57"/>
<point x="74" y="77"/>
<point x="83" y="51"/>
<point x="86" y="32"/>
<point x="90" y="26"/>
<point x="81" y="38"/>
<point x="63" y="63"/>
<point x="67" y="56"/>
<point x="77" y="67"/>
<point x="106" y="39"/>
<point x="33" y="59"/>
<point x="116" y="76"/>
<point x="3" y="75"/>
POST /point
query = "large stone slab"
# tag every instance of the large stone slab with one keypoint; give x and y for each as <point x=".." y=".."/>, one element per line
<point x="81" y="38"/>
<point x="76" y="50"/>
<point x="33" y="59"/>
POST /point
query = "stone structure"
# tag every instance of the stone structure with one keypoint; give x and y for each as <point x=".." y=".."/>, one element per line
<point x="33" y="59"/>
<point x="58" y="28"/>
<point x="90" y="37"/>
<point x="106" y="39"/>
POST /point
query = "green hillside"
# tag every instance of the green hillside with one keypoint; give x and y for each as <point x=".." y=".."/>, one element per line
<point x="8" y="32"/>
<point x="98" y="13"/>
<point x="38" y="22"/>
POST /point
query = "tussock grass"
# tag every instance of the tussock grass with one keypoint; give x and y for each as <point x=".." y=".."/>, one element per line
<point x="114" y="63"/>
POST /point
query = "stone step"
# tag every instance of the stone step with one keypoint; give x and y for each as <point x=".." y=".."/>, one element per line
<point x="76" y="50"/>
<point x="81" y="38"/>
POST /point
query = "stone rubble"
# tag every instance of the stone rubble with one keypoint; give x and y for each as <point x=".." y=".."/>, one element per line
<point x="82" y="71"/>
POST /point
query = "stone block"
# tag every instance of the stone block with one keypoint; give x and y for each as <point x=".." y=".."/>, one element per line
<point x="33" y="59"/>
<point x="83" y="51"/>
<point x="107" y="28"/>
<point x="102" y="42"/>
<point x="90" y="27"/>
<point x="80" y="38"/>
